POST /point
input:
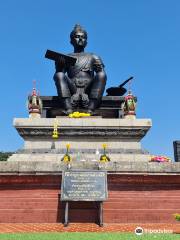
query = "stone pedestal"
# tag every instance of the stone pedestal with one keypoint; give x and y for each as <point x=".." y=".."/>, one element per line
<point x="85" y="136"/>
<point x="136" y="187"/>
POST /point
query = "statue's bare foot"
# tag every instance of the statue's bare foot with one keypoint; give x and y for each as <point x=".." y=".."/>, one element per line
<point x="68" y="111"/>
<point x="91" y="112"/>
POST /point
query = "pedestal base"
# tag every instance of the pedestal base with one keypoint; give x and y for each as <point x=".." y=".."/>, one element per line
<point x="85" y="136"/>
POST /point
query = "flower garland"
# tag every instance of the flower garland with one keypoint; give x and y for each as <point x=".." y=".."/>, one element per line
<point x="79" y="115"/>
<point x="104" y="157"/>
<point x="55" y="133"/>
<point x="160" y="159"/>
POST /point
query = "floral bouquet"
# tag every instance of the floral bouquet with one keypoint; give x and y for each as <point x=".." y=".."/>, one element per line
<point x="160" y="159"/>
<point x="104" y="157"/>
<point x="67" y="158"/>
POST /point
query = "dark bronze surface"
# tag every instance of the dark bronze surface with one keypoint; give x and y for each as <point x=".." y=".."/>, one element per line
<point x="92" y="132"/>
<point x="56" y="56"/>
<point x="118" y="91"/>
<point x="110" y="107"/>
<point x="176" y="145"/>
<point x="84" y="186"/>
<point x="66" y="217"/>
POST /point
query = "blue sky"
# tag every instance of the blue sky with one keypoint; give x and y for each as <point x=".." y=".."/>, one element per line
<point x="133" y="37"/>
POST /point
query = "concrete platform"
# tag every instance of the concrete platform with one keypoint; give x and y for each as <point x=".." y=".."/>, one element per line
<point x="85" y="135"/>
<point x="56" y="167"/>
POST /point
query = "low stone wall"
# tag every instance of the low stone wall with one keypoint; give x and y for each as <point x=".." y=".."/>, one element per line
<point x="57" y="166"/>
<point x="34" y="197"/>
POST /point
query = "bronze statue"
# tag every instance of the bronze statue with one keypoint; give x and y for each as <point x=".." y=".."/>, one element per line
<point x="80" y="83"/>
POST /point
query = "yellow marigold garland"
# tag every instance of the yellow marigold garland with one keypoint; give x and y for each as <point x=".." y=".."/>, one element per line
<point x="55" y="133"/>
<point x="79" y="115"/>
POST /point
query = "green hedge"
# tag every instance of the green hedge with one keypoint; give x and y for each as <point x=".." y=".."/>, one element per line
<point x="4" y="155"/>
<point x="177" y="216"/>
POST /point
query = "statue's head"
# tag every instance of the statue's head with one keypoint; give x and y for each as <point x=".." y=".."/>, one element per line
<point x="78" y="36"/>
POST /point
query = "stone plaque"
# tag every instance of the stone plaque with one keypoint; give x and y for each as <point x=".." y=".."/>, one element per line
<point x="84" y="186"/>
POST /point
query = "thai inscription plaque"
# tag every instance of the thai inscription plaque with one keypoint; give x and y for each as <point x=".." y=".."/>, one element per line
<point x="84" y="186"/>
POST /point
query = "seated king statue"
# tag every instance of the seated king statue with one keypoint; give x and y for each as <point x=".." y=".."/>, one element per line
<point x="80" y="85"/>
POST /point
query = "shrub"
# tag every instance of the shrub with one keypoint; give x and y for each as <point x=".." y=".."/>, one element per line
<point x="177" y="216"/>
<point x="5" y="155"/>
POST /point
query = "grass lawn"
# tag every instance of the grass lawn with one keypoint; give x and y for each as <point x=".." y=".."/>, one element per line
<point x="86" y="236"/>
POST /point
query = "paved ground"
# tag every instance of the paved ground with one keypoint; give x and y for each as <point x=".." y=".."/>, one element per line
<point x="85" y="227"/>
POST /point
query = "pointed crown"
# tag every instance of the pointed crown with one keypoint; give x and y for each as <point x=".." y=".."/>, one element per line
<point x="77" y="28"/>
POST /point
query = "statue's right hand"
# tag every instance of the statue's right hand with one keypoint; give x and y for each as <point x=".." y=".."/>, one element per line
<point x="75" y="97"/>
